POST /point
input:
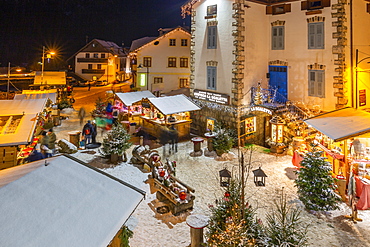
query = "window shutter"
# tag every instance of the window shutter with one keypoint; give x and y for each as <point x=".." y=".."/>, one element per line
<point x="311" y="35"/>
<point x="304" y="5"/>
<point x="281" y="38"/>
<point x="268" y="10"/>
<point x="214" y="39"/>
<point x="214" y="76"/>
<point x="287" y="7"/>
<point x="209" y="77"/>
<point x="311" y="83"/>
<point x="320" y="84"/>
<point x="320" y="35"/>
<point x="325" y="3"/>
<point x="274" y="38"/>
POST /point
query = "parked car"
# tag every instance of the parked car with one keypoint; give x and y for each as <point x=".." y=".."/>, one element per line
<point x="101" y="83"/>
<point x="86" y="83"/>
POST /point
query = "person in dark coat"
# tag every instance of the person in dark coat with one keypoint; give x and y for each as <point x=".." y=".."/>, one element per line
<point x="35" y="155"/>
<point x="174" y="138"/>
<point x="87" y="132"/>
<point x="94" y="131"/>
<point x="52" y="140"/>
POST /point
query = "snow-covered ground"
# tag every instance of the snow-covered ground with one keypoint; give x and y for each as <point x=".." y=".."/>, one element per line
<point x="201" y="173"/>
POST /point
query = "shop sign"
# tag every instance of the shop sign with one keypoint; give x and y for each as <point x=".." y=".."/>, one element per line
<point x="262" y="109"/>
<point x="213" y="97"/>
<point x="362" y="97"/>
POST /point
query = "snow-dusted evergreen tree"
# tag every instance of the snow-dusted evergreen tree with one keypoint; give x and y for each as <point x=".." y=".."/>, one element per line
<point x="227" y="227"/>
<point x="116" y="141"/>
<point x="316" y="188"/>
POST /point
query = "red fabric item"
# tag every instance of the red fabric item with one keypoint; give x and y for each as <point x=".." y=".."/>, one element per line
<point x="364" y="189"/>
<point x="296" y="160"/>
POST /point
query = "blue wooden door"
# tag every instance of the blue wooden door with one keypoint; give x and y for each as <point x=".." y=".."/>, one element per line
<point x="278" y="79"/>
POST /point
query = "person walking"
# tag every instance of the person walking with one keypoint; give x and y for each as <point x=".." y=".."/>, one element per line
<point x="87" y="132"/>
<point x="81" y="115"/>
<point x="89" y="86"/>
<point x="52" y="140"/>
<point x="94" y="131"/>
<point x="46" y="152"/>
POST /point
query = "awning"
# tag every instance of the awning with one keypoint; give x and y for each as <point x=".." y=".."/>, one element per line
<point x="341" y="124"/>
<point x="133" y="97"/>
<point x="50" y="78"/>
<point x="51" y="96"/>
<point x="173" y="104"/>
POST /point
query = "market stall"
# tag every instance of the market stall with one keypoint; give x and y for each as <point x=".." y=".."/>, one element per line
<point x="129" y="104"/>
<point x="161" y="112"/>
<point x="343" y="135"/>
<point x="20" y="123"/>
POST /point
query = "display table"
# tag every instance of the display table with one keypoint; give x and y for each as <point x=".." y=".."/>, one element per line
<point x="197" y="142"/>
<point x="362" y="191"/>
<point x="210" y="137"/>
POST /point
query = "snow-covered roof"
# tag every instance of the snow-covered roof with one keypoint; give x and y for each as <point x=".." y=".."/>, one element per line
<point x="50" y="78"/>
<point x="51" y="96"/>
<point x="22" y="130"/>
<point x="66" y="203"/>
<point x="341" y="124"/>
<point x="173" y="104"/>
<point x="132" y="97"/>
<point x="137" y="43"/>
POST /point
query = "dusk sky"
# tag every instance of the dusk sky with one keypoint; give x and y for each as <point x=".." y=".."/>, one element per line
<point x="27" y="25"/>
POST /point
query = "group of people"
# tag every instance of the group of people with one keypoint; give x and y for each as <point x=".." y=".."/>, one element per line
<point x="47" y="146"/>
<point x="89" y="132"/>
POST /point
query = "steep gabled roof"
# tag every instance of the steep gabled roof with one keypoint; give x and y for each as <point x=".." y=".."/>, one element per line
<point x="140" y="43"/>
<point x="103" y="46"/>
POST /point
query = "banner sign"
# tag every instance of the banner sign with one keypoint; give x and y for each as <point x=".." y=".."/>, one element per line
<point x="212" y="97"/>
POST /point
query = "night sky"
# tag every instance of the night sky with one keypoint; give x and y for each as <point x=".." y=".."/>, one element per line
<point x="65" y="25"/>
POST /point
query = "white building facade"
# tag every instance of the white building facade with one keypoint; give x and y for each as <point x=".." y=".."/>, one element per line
<point x="304" y="50"/>
<point x="162" y="64"/>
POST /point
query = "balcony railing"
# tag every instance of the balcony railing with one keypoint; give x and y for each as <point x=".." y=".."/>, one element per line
<point x="92" y="60"/>
<point x="93" y="71"/>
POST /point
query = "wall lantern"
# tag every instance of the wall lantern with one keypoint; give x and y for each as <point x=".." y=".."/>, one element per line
<point x="225" y="176"/>
<point x="259" y="177"/>
<point x="277" y="129"/>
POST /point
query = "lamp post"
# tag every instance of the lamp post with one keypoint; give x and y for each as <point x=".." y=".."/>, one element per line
<point x="147" y="75"/>
<point x="356" y="83"/>
<point x="43" y="60"/>
<point x="8" y="85"/>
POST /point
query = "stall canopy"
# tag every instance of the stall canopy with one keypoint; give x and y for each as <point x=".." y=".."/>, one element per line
<point x="62" y="201"/>
<point x="173" y="104"/>
<point x="51" y="96"/>
<point x="133" y="97"/>
<point x="18" y="119"/>
<point x="50" y="78"/>
<point x="342" y="124"/>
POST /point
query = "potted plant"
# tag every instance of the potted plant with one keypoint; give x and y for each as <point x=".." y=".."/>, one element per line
<point x="223" y="141"/>
<point x="115" y="143"/>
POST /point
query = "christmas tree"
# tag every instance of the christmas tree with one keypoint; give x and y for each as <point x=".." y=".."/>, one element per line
<point x="316" y="188"/>
<point x="227" y="227"/>
<point x="100" y="106"/>
<point x="116" y="141"/>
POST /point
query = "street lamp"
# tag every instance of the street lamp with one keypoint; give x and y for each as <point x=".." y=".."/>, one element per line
<point x="48" y="55"/>
<point x="9" y="69"/>
<point x="356" y="84"/>
<point x="147" y="75"/>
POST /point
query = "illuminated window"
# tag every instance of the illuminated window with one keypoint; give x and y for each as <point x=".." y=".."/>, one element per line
<point x="172" y="42"/>
<point x="184" y="62"/>
<point x="184" y="42"/>
<point x="184" y="82"/>
<point x="147" y="61"/>
<point x="316" y="83"/>
<point x="212" y="10"/>
<point x="158" y="80"/>
<point x="172" y="62"/>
